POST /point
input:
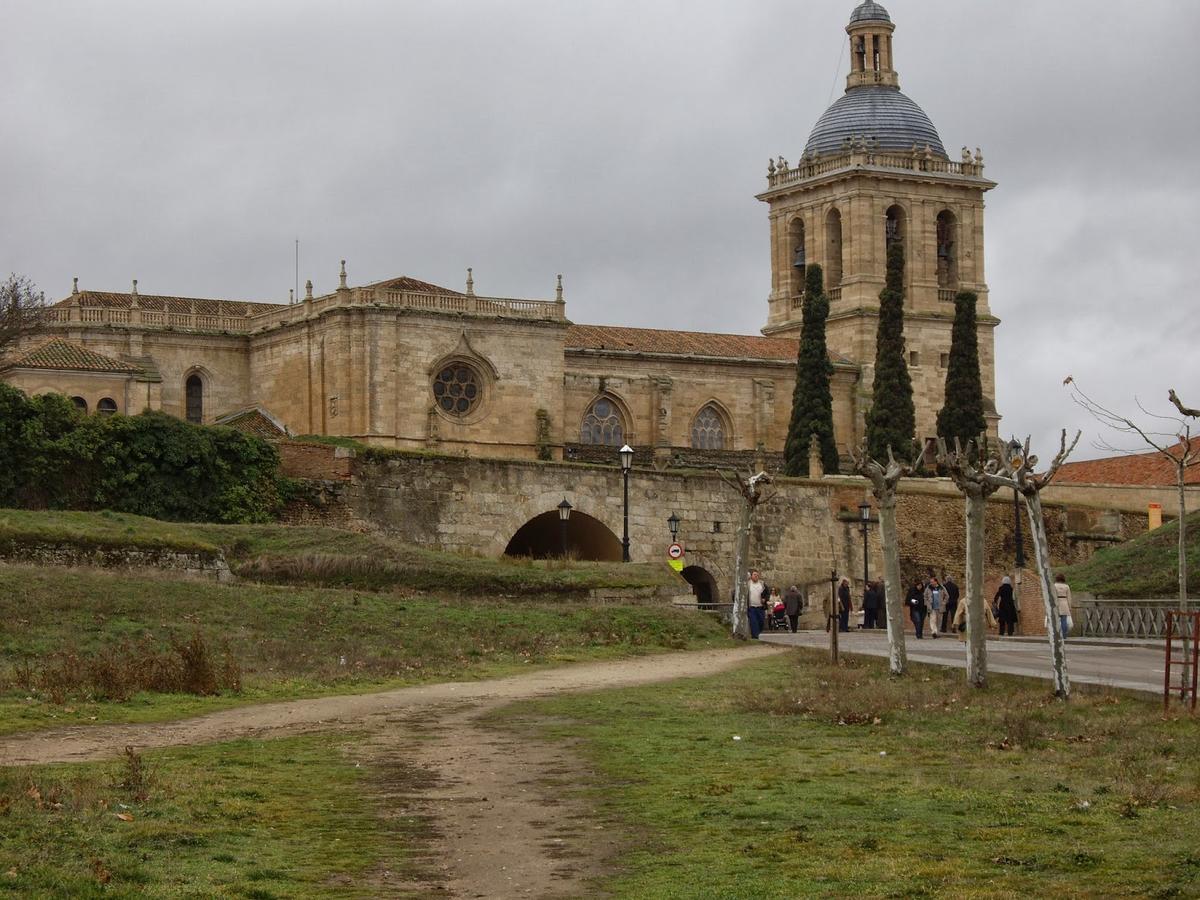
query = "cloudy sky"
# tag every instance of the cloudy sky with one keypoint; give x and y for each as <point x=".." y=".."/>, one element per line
<point x="188" y="144"/>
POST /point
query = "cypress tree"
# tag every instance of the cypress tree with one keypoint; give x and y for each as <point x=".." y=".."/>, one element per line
<point x="961" y="415"/>
<point x="812" y="400"/>
<point x="892" y="420"/>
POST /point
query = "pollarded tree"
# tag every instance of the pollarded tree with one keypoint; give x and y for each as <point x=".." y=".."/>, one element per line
<point x="961" y="417"/>
<point x="750" y="489"/>
<point x="812" y="401"/>
<point x="22" y="310"/>
<point x="892" y="420"/>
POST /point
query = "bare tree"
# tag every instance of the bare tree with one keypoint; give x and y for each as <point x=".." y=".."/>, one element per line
<point x="22" y="310"/>
<point x="884" y="479"/>
<point x="1016" y="470"/>
<point x="1174" y="445"/>
<point x="970" y="475"/>
<point x="750" y="488"/>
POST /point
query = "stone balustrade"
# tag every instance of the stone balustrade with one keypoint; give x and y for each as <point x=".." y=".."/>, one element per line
<point x="1124" y="618"/>
<point x="921" y="161"/>
<point x="463" y="304"/>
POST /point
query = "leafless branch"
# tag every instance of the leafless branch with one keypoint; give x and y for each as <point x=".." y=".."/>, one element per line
<point x="22" y="310"/>
<point x="1183" y="410"/>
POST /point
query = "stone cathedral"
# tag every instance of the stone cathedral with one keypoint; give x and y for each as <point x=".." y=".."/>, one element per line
<point x="407" y="364"/>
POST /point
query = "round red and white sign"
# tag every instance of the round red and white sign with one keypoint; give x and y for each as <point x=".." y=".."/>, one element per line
<point x="675" y="551"/>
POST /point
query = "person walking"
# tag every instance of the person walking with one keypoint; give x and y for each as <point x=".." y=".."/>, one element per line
<point x="933" y="603"/>
<point x="756" y="606"/>
<point x="915" y="601"/>
<point x="1006" y="608"/>
<point x="870" y="606"/>
<point x="791" y="606"/>
<point x="1062" y="593"/>
<point x="960" y="619"/>
<point x="844" y="605"/>
<point x="951" y="604"/>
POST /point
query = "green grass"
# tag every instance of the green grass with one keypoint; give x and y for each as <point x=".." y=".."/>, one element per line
<point x="1146" y="567"/>
<point x="284" y="818"/>
<point x="329" y="556"/>
<point x="1004" y="793"/>
<point x="292" y="641"/>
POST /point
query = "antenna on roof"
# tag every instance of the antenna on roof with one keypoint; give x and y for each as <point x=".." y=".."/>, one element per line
<point x="297" y="285"/>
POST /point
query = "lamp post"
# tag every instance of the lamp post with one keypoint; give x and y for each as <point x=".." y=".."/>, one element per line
<point x="831" y="621"/>
<point x="626" y="454"/>
<point x="864" y="518"/>
<point x="673" y="524"/>
<point x="1015" y="446"/>
<point x="564" y="513"/>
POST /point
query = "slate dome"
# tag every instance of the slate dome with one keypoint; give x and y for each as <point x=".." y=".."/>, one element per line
<point x="869" y="11"/>
<point x="877" y="113"/>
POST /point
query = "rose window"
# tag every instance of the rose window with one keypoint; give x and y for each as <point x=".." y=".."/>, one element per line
<point x="456" y="389"/>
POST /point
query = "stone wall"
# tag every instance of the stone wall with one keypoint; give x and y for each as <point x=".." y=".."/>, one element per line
<point x="809" y="528"/>
<point x="47" y="553"/>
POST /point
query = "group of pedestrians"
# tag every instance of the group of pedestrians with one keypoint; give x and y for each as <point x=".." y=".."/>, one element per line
<point x="932" y="604"/>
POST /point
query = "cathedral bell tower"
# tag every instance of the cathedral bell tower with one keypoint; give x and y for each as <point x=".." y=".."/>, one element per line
<point x="875" y="172"/>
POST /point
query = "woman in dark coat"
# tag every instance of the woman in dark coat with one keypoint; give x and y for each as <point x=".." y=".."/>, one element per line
<point x="917" y="610"/>
<point x="1006" y="608"/>
<point x="844" y="605"/>
<point x="870" y="606"/>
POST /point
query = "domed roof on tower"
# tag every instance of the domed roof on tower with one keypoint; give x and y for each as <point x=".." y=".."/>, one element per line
<point x="869" y="11"/>
<point x="873" y="110"/>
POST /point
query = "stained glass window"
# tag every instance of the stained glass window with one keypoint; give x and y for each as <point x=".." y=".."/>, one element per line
<point x="602" y="425"/>
<point x="708" y="430"/>
<point x="456" y="390"/>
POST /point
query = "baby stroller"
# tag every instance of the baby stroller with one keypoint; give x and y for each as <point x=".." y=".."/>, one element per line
<point x="776" y="618"/>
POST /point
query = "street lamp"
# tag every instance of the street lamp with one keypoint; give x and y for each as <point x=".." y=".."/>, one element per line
<point x="626" y="454"/>
<point x="564" y="513"/>
<point x="673" y="524"/>
<point x="864" y="517"/>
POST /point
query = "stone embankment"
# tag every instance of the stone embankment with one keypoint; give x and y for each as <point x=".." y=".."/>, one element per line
<point x="194" y="564"/>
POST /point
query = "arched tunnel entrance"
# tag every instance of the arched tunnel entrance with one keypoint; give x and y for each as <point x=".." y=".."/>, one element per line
<point x="586" y="538"/>
<point x="704" y="586"/>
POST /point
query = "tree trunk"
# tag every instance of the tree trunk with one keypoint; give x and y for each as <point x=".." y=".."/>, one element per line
<point x="973" y="584"/>
<point x="738" y="621"/>
<point x="893" y="585"/>
<point x="1181" y="473"/>
<point x="1041" y="550"/>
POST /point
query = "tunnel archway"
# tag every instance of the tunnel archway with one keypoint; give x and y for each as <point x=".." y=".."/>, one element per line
<point x="704" y="586"/>
<point x="586" y="538"/>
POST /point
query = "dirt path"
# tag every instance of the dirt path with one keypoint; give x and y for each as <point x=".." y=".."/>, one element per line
<point x="507" y="815"/>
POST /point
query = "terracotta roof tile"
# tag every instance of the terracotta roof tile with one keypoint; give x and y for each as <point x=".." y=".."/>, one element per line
<point x="1142" y="468"/>
<point x="60" y="354"/>
<point x="405" y="283"/>
<point x="683" y="343"/>
<point x="180" y="305"/>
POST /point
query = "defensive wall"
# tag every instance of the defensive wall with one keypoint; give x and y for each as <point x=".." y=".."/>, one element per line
<point x="809" y="527"/>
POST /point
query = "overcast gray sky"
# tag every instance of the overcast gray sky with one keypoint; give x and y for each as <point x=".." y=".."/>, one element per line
<point x="188" y="144"/>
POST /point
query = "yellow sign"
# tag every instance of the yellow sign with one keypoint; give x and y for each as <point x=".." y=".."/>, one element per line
<point x="676" y="564"/>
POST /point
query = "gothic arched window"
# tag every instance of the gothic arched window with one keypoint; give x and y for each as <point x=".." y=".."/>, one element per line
<point x="193" y="390"/>
<point x="708" y="429"/>
<point x="603" y="424"/>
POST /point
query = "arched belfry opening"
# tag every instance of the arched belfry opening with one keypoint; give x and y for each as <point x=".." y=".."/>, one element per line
<point x="193" y="390"/>
<point x="833" y="256"/>
<point x="799" y="256"/>
<point x="582" y="537"/>
<point x="947" y="250"/>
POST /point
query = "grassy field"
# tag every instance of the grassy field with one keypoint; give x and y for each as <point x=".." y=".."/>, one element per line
<point x="292" y="641"/>
<point x="284" y="818"/>
<point x="328" y="556"/>
<point x="1145" y="567"/>
<point x="790" y="778"/>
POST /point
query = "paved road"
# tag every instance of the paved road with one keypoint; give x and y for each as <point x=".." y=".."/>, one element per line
<point x="1138" y="668"/>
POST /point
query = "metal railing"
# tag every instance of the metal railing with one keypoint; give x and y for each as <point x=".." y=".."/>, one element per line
<point x="1125" y="618"/>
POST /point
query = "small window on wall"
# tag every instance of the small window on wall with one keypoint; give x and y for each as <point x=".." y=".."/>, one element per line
<point x="106" y="407"/>
<point x="944" y="360"/>
<point x="194" y="399"/>
<point x="80" y="404"/>
<point x="708" y="430"/>
<point x="914" y="358"/>
<point x="602" y="424"/>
